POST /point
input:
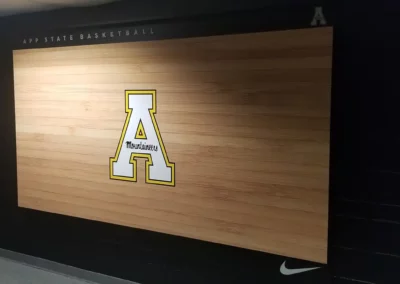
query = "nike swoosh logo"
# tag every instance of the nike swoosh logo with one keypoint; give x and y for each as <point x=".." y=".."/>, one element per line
<point x="286" y="271"/>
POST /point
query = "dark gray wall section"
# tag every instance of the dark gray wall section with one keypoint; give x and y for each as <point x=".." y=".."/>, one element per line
<point x="129" y="11"/>
<point x="364" y="233"/>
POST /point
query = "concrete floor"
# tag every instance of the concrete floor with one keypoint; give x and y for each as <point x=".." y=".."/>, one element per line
<point x="16" y="273"/>
<point x="21" y="269"/>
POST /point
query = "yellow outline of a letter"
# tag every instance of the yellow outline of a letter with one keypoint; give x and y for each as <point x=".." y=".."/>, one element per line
<point x="149" y="161"/>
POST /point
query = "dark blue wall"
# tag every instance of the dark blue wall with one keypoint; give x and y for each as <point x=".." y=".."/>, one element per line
<point x="364" y="233"/>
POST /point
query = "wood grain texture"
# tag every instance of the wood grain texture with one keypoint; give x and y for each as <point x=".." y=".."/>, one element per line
<point x="245" y="119"/>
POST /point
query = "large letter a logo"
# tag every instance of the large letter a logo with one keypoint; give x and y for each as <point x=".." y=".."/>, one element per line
<point x="141" y="138"/>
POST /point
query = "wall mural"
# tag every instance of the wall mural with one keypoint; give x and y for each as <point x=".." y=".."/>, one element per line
<point x="237" y="124"/>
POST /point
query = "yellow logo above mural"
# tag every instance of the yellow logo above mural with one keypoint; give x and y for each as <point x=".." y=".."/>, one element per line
<point x="141" y="138"/>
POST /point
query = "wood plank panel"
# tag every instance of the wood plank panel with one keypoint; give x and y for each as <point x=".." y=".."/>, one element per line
<point x="245" y="118"/>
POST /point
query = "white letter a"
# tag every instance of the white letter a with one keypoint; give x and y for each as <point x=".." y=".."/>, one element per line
<point x="141" y="138"/>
